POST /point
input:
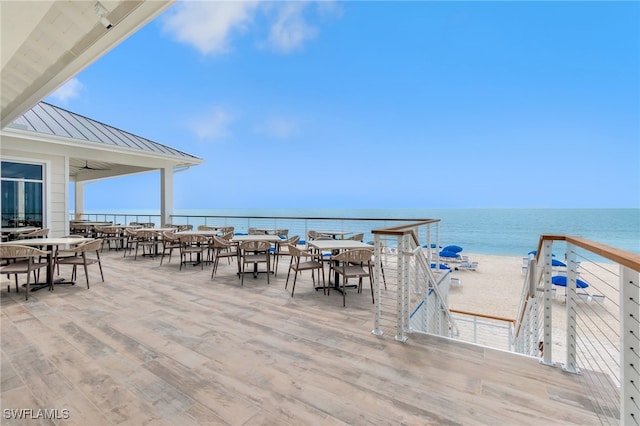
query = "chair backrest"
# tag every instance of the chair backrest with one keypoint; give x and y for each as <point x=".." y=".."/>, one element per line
<point x="355" y="255"/>
<point x="294" y="251"/>
<point x="130" y="232"/>
<point x="282" y="233"/>
<point x="169" y="236"/>
<point x="227" y="235"/>
<point x="227" y="229"/>
<point x="255" y="245"/>
<point x="357" y="237"/>
<point x="219" y="242"/>
<point x="254" y="231"/>
<point x="193" y="239"/>
<point x="292" y="241"/>
<point x="38" y="233"/>
<point x="93" y="245"/>
<point x="14" y="251"/>
<point x="206" y="228"/>
<point x="145" y="234"/>
<point x="185" y="227"/>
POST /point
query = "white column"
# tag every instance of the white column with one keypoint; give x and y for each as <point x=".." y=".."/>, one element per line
<point x="78" y="206"/>
<point x="166" y="195"/>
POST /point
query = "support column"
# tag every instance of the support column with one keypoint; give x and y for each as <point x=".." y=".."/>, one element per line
<point x="78" y="206"/>
<point x="166" y="195"/>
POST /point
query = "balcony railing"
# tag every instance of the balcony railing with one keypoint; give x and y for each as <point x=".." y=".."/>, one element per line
<point x="598" y="339"/>
<point x="599" y="313"/>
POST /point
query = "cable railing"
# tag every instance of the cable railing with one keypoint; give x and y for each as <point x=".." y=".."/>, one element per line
<point x="585" y="318"/>
<point x="590" y="330"/>
<point x="486" y="330"/>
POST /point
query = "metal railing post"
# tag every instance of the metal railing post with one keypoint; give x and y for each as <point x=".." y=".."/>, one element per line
<point x="403" y="284"/>
<point x="547" y="358"/>
<point x="571" y="364"/>
<point x="378" y="288"/>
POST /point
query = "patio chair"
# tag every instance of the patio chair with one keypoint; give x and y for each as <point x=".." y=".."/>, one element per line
<point x="130" y="239"/>
<point x="81" y="255"/>
<point x="314" y="263"/>
<point x="355" y="263"/>
<point x="254" y="252"/>
<point x="22" y="260"/>
<point x="221" y="248"/>
<point x="109" y="235"/>
<point x="148" y="240"/>
<point x="281" y="248"/>
<point x="190" y="245"/>
<point x="170" y="242"/>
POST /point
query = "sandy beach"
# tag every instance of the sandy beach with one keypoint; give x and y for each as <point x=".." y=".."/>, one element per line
<point x="493" y="289"/>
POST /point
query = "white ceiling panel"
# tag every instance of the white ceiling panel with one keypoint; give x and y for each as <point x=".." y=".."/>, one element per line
<point x="45" y="43"/>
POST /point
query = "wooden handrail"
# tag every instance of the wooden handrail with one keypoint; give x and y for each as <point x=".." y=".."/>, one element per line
<point x="623" y="257"/>
<point x="404" y="228"/>
<point x="473" y="314"/>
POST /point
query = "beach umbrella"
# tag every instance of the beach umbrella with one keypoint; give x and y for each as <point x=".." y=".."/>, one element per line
<point x="453" y="249"/>
<point x="555" y="262"/>
<point x="442" y="266"/>
<point x="433" y="245"/>
<point x="451" y="254"/>
<point x="561" y="280"/>
<point x="534" y="252"/>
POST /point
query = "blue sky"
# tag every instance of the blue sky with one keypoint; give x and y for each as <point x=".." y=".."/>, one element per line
<point x="377" y="104"/>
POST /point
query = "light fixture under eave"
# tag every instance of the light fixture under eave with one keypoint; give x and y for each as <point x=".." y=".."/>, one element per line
<point x="102" y="13"/>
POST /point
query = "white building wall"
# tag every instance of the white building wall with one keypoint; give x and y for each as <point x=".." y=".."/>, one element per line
<point x="55" y="187"/>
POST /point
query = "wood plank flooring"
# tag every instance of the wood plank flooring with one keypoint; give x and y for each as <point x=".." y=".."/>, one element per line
<point x="153" y="345"/>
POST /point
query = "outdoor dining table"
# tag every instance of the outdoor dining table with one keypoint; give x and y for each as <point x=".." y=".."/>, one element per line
<point x="51" y="244"/>
<point x="335" y="234"/>
<point x="17" y="231"/>
<point x="335" y="246"/>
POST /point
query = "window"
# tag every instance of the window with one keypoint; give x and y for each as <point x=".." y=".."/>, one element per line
<point x="22" y="194"/>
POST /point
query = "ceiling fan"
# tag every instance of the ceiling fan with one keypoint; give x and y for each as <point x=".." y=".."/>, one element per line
<point x="87" y="167"/>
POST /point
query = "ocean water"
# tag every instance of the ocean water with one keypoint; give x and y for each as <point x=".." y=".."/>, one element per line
<point x="509" y="232"/>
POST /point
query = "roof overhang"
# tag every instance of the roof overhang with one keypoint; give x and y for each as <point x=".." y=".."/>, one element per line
<point x="45" y="43"/>
<point x="91" y="160"/>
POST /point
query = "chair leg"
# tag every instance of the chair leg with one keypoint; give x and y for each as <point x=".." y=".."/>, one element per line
<point x="86" y="274"/>
<point x="295" y="276"/>
<point x="100" y="266"/>
<point x="28" y="282"/>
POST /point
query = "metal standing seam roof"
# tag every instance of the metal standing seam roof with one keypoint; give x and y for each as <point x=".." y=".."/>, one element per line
<point x="49" y="119"/>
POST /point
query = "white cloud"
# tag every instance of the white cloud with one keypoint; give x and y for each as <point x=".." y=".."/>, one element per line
<point x="71" y="89"/>
<point x="214" y="124"/>
<point x="278" y="127"/>
<point x="207" y="24"/>
<point x="290" y="29"/>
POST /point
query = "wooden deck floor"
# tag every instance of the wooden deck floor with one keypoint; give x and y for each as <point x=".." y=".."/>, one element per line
<point x="154" y="345"/>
